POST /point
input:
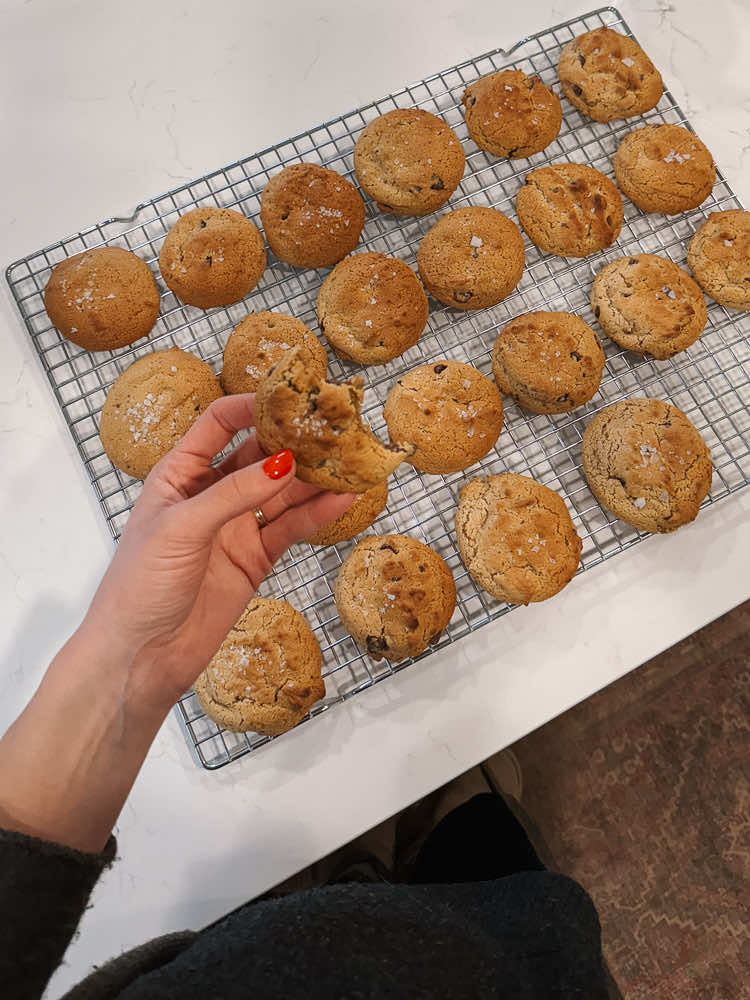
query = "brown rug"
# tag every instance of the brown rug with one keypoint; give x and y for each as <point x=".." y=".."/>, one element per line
<point x="643" y="794"/>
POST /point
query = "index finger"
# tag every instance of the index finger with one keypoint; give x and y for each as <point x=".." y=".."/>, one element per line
<point x="216" y="427"/>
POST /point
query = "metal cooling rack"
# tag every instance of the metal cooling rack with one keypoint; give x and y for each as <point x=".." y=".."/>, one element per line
<point x="710" y="381"/>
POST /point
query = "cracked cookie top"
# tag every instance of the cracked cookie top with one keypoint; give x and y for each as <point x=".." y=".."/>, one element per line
<point x="516" y="538"/>
<point x="152" y="405"/>
<point x="664" y="168"/>
<point x="648" y="304"/>
<point x="569" y="209"/>
<point x="448" y="411"/>
<point x="212" y="257"/>
<point x="395" y="595"/>
<point x="511" y="114"/>
<point x="472" y="258"/>
<point x="607" y="75"/>
<point x="645" y="461"/>
<point x="320" y="422"/>
<point x="550" y="362"/>
<point x="312" y="216"/>
<point x="719" y="257"/>
<point x="408" y="161"/>
<point x="265" y="676"/>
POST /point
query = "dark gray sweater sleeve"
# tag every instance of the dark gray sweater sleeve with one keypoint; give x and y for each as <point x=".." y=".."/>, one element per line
<point x="44" y="889"/>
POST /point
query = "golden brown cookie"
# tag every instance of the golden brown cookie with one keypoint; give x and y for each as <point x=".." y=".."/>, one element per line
<point x="549" y="362"/>
<point x="511" y="114"/>
<point x="649" y="305"/>
<point x="569" y="209"/>
<point x="607" y="75"/>
<point x="516" y="538"/>
<point x="371" y="308"/>
<point x="320" y="422"/>
<point x="265" y="676"/>
<point x="312" y="217"/>
<point x="394" y="595"/>
<point x="646" y="463"/>
<point x="362" y="513"/>
<point x="448" y="411"/>
<point x="471" y="258"/>
<point x="664" y="168"/>
<point x="151" y="405"/>
<point x="408" y="161"/>
<point x="102" y="299"/>
<point x="257" y="343"/>
<point x="719" y="257"/>
<point x="212" y="257"/>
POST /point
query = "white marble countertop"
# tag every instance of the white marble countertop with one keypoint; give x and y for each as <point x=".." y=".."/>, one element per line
<point x="106" y="104"/>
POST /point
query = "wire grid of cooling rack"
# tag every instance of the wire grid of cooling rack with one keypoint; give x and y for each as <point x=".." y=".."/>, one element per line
<point x="710" y="381"/>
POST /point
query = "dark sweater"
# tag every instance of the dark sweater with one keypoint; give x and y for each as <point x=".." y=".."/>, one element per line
<point x="529" y="935"/>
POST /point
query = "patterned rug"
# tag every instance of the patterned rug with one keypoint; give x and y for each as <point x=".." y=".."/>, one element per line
<point x="642" y="793"/>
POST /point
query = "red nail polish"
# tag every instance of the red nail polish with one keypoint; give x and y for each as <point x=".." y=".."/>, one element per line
<point x="279" y="465"/>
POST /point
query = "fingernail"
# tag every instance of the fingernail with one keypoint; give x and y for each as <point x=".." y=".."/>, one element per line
<point x="279" y="465"/>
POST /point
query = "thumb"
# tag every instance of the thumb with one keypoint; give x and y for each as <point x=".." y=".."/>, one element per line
<point x="237" y="494"/>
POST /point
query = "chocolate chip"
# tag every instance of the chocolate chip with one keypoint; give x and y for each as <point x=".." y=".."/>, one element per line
<point x="597" y="312"/>
<point x="575" y="355"/>
<point x="462" y="296"/>
<point x="562" y="399"/>
<point x="437" y="183"/>
<point x="512" y="152"/>
<point x="412" y="624"/>
<point x="598" y="201"/>
<point x="470" y="100"/>
<point x="203" y="223"/>
<point x="632" y="261"/>
<point x="376" y="644"/>
<point x="608" y="220"/>
<point x="285" y="215"/>
<point x="581" y="59"/>
<point x="439" y="368"/>
<point x="577" y="90"/>
<point x="387" y="546"/>
<point x="209" y="260"/>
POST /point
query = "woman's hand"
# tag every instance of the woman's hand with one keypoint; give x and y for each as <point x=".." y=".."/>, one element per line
<point x="190" y="560"/>
<point x="193" y="555"/>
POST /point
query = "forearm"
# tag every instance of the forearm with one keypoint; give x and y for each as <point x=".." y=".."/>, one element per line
<point x="69" y="761"/>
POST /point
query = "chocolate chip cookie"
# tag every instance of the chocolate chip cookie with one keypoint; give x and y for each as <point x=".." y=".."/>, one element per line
<point x="371" y="308"/>
<point x="362" y="513"/>
<point x="395" y="596"/>
<point x="448" y="411"/>
<point x="719" y="257"/>
<point x="258" y="342"/>
<point x="472" y="258"/>
<point x="649" y="305"/>
<point x="511" y="114"/>
<point x="569" y="209"/>
<point x="646" y="463"/>
<point x="408" y="161"/>
<point x="516" y="538"/>
<point x="549" y="362"/>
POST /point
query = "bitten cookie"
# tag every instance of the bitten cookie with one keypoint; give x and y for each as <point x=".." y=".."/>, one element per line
<point x="607" y="75"/>
<point x="664" y="168"/>
<point x="151" y="405"/>
<point x="371" y="308"/>
<point x="516" y="538"/>
<point x="320" y="422"/>
<point x="408" y="161"/>
<point x="511" y="114"/>
<point x="102" y="299"/>
<point x="312" y="217"/>
<point x="472" y="258"/>
<point x="719" y="257"/>
<point x="645" y="462"/>
<point x="448" y="411"/>
<point x="266" y="674"/>
<point x="394" y="595"/>
<point x="362" y="513"/>
<point x="649" y="305"/>
<point x="258" y="342"/>
<point x="549" y="362"/>
<point x="212" y="257"/>
<point x="569" y="209"/>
